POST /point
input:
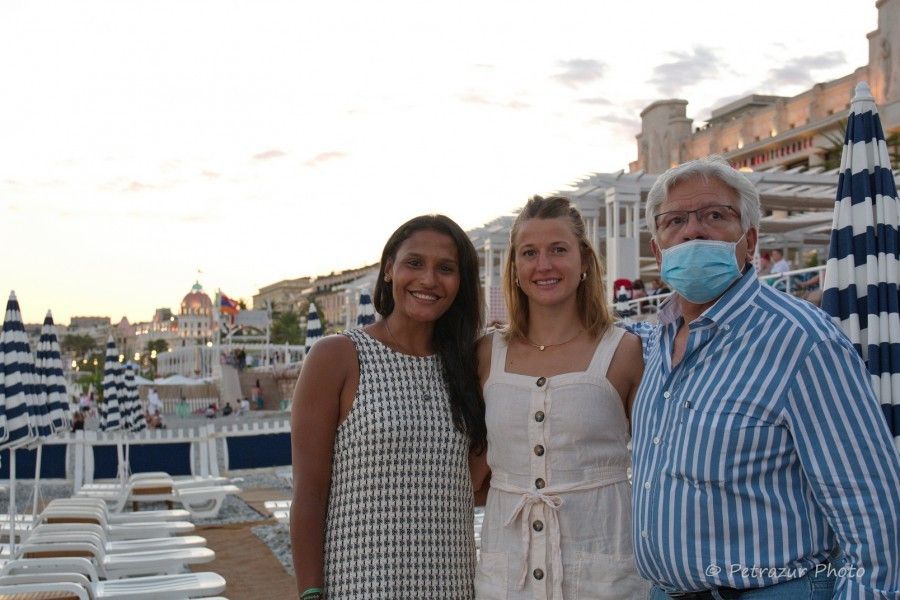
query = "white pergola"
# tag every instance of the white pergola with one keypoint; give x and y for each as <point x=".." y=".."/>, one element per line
<point x="797" y="213"/>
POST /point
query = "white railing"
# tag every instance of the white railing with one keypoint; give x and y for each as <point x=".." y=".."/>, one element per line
<point x="785" y="282"/>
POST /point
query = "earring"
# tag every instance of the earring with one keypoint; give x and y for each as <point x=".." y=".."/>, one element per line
<point x="517" y="282"/>
<point x="584" y="276"/>
<point x="387" y="278"/>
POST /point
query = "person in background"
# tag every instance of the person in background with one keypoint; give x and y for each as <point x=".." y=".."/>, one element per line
<point x="383" y="421"/>
<point x="256" y="393"/>
<point x="763" y="464"/>
<point x="78" y="421"/>
<point x="227" y="410"/>
<point x="779" y="263"/>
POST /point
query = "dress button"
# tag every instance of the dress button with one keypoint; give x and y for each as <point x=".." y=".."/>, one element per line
<point x="538" y="525"/>
<point x="539" y="483"/>
<point x="539" y="416"/>
<point x="541" y="381"/>
<point x="538" y="574"/>
<point x="539" y="450"/>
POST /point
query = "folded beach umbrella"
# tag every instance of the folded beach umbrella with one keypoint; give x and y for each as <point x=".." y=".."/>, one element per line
<point x="111" y="418"/>
<point x="863" y="269"/>
<point x="365" y="311"/>
<point x="51" y="381"/>
<point x="18" y="401"/>
<point x="18" y="397"/>
<point x="135" y="410"/>
<point x="313" y="327"/>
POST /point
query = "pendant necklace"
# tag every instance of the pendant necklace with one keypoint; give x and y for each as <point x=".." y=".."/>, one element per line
<point x="542" y="347"/>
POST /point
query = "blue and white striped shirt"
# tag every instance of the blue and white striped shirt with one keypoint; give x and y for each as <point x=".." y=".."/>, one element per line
<point x="761" y="451"/>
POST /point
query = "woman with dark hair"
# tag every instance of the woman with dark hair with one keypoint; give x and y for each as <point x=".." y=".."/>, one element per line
<point x="558" y="385"/>
<point x="383" y="422"/>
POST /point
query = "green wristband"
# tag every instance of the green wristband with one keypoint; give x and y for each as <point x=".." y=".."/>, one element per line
<point x="312" y="593"/>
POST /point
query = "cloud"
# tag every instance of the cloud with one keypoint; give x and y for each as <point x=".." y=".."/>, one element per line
<point x="268" y="154"/>
<point x="578" y="71"/>
<point x="595" y="101"/>
<point x="687" y="69"/>
<point x="324" y="157"/>
<point x="211" y="174"/>
<point x="797" y="71"/>
<point x="471" y="97"/>
<point x="137" y="186"/>
<point x="625" y="123"/>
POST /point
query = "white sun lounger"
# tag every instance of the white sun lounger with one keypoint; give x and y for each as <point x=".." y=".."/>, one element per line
<point x="77" y="531"/>
<point x="178" y="514"/>
<point x="123" y="531"/>
<point x="81" y="572"/>
<point x="115" y="566"/>
<point x="202" y="502"/>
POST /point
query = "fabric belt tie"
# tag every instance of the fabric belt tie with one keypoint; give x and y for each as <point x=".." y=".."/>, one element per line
<point x="549" y="497"/>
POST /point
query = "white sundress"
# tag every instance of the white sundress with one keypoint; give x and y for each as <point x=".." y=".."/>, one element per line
<point x="557" y="522"/>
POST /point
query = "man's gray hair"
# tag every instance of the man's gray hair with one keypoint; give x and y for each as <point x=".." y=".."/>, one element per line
<point x="711" y="166"/>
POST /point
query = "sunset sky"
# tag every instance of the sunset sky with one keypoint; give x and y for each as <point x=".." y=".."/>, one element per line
<point x="142" y="142"/>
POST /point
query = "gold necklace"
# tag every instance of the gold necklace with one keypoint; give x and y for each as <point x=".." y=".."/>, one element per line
<point x="542" y="347"/>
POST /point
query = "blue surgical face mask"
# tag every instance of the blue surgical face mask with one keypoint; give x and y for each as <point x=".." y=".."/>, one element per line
<point x="700" y="270"/>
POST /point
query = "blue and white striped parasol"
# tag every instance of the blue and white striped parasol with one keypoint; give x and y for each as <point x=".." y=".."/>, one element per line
<point x="19" y="402"/>
<point x="52" y="382"/>
<point x="365" y="311"/>
<point x="18" y="396"/>
<point x="111" y="417"/>
<point x="314" y="331"/>
<point x="863" y="269"/>
<point x="136" y="420"/>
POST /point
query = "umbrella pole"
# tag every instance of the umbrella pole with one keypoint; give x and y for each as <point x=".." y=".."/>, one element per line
<point x="12" y="503"/>
<point x="37" y="482"/>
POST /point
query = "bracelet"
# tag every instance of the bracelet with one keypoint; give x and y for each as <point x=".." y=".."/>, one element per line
<point x="313" y="593"/>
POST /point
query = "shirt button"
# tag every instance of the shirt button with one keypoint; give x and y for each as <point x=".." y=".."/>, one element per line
<point x="538" y="574"/>
<point x="667" y="394"/>
<point x="538" y="525"/>
<point x="539" y="416"/>
<point x="541" y="381"/>
<point x="644" y="534"/>
<point x="539" y="483"/>
<point x="656" y="440"/>
<point x="726" y="327"/>
<point x="539" y="450"/>
<point x="646" y="485"/>
<point x="686" y="404"/>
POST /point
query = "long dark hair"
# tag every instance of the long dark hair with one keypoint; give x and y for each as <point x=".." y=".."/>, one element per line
<point x="456" y="331"/>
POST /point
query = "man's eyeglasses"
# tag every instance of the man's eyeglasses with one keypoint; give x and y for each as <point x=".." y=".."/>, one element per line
<point x="717" y="216"/>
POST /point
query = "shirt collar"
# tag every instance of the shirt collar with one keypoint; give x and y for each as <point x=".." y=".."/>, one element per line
<point x="732" y="303"/>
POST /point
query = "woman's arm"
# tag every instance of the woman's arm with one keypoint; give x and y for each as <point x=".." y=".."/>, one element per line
<point x="478" y="466"/>
<point x="626" y="370"/>
<point x="330" y="372"/>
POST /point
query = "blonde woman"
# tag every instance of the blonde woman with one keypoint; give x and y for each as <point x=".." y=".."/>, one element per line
<point x="558" y="385"/>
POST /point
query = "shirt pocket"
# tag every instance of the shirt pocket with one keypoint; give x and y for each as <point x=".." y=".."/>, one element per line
<point x="608" y="577"/>
<point x="718" y="447"/>
<point x="491" y="577"/>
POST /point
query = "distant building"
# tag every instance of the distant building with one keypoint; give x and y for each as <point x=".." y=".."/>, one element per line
<point x="330" y="295"/>
<point x="285" y="296"/>
<point x="196" y="321"/>
<point x="758" y="132"/>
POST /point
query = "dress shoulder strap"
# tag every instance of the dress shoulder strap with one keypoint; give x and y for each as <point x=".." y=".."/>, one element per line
<point x="606" y="349"/>
<point x="498" y="353"/>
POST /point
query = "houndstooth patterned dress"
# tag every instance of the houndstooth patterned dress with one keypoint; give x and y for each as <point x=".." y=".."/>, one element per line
<point x="400" y="510"/>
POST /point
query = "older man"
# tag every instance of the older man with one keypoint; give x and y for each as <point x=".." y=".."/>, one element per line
<point x="763" y="466"/>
